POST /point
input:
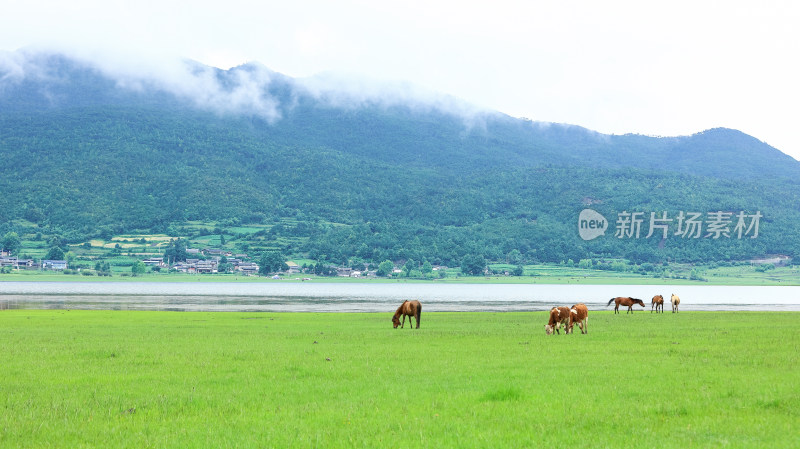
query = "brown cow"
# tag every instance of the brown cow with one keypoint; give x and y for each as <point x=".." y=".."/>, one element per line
<point x="558" y="316"/>
<point x="579" y="313"/>
<point x="658" y="301"/>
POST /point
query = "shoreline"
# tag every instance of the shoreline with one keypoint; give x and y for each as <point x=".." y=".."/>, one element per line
<point x="323" y="296"/>
<point x="523" y="280"/>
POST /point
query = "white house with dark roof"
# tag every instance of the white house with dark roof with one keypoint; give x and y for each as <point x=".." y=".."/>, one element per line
<point x="54" y="265"/>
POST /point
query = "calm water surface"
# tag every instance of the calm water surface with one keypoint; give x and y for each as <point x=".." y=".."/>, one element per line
<point x="344" y="297"/>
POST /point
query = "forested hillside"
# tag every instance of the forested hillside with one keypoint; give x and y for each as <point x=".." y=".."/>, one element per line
<point x="83" y="155"/>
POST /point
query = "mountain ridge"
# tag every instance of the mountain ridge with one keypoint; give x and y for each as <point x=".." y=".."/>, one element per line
<point x="87" y="153"/>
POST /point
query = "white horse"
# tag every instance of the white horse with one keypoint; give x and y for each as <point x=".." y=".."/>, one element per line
<point x="675" y="302"/>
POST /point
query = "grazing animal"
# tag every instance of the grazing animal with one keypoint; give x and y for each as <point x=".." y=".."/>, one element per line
<point x="558" y="316"/>
<point x="625" y="301"/>
<point x="409" y="309"/>
<point x="579" y="313"/>
<point x="658" y="301"/>
<point x="675" y="302"/>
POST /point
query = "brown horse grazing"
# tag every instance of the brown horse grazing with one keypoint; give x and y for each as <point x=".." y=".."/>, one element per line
<point x="675" y="302"/>
<point x="407" y="308"/>
<point x="658" y="301"/>
<point x="558" y="316"/>
<point x="625" y="301"/>
<point x="579" y="313"/>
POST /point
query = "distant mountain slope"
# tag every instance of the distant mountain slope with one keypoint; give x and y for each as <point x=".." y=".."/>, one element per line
<point x="410" y="131"/>
<point x="86" y="153"/>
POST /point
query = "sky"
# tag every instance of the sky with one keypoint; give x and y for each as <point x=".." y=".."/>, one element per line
<point x="615" y="66"/>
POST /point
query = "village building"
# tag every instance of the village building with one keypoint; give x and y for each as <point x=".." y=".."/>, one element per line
<point x="247" y="268"/>
<point x="154" y="262"/>
<point x="293" y="268"/>
<point x="58" y="265"/>
<point x="206" y="266"/>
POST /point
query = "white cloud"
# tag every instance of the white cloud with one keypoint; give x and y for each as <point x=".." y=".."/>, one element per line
<point x="617" y="66"/>
<point x="245" y="89"/>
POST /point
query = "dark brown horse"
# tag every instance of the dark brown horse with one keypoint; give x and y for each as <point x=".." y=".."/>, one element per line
<point x="407" y="308"/>
<point x="625" y="301"/>
<point x="658" y="301"/>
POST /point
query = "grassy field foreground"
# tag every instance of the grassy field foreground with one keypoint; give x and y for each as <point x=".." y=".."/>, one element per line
<point x="170" y="379"/>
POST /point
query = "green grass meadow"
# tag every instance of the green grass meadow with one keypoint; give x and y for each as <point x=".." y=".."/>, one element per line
<point x="74" y="379"/>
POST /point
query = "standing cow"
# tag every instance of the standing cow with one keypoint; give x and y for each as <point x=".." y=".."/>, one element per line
<point x="558" y="316"/>
<point x="578" y="313"/>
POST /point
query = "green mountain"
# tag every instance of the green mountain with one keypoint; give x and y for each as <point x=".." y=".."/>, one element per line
<point x="87" y="153"/>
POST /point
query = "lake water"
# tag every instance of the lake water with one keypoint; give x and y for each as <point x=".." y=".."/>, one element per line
<point x="316" y="296"/>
